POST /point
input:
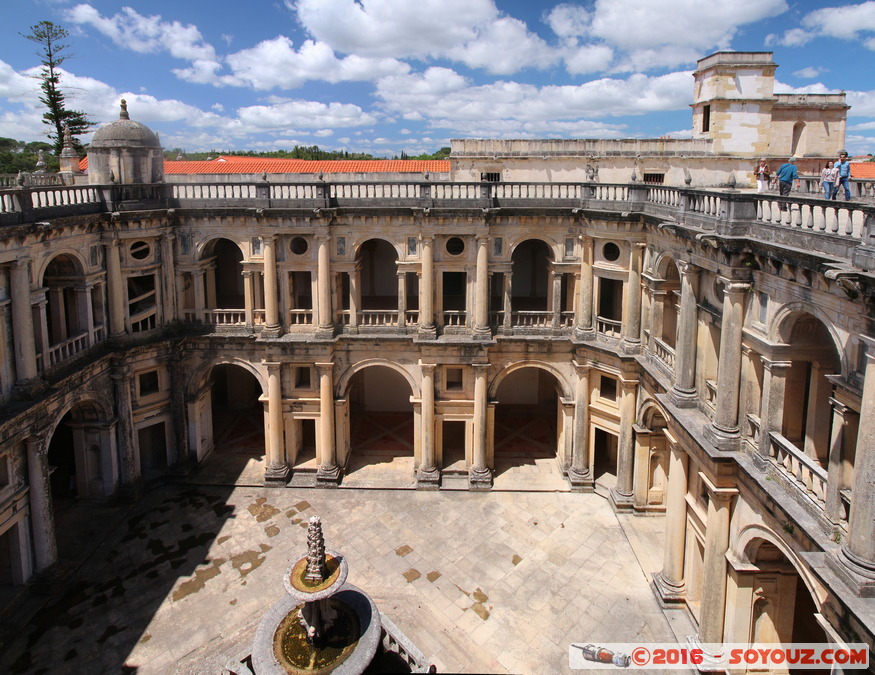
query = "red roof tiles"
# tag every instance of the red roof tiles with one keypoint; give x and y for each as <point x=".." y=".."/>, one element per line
<point x="862" y="169"/>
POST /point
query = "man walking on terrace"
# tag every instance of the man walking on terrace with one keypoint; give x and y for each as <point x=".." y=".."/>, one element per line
<point x="787" y="173"/>
<point x="844" y="177"/>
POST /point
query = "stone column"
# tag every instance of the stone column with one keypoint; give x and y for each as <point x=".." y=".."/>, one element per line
<point x="402" y="299"/>
<point x="480" y="477"/>
<point x="481" y="290"/>
<point x="85" y="312"/>
<point x="507" y="300"/>
<point x="42" y="521"/>
<point x="200" y="297"/>
<point x="426" y="289"/>
<point x="631" y="329"/>
<point x="271" y="302"/>
<point x="428" y="476"/>
<point x="22" y="321"/>
<point x="622" y="493"/>
<point x="323" y="285"/>
<point x="583" y="320"/>
<point x="772" y="401"/>
<point x="59" y="315"/>
<point x="354" y="299"/>
<point x="714" y="564"/>
<point x="670" y="581"/>
<point x="858" y="553"/>
<point x="328" y="474"/>
<point x="115" y="288"/>
<point x="842" y="418"/>
<point x="683" y="393"/>
<point x="276" y="473"/>
<point x="556" y="308"/>
<point x="723" y="431"/>
<point x="168" y="274"/>
<point x="579" y="475"/>
<point x="129" y="468"/>
<point x="248" y="297"/>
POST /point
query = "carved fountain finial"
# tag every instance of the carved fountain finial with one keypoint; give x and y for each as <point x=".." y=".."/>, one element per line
<point x="316" y="570"/>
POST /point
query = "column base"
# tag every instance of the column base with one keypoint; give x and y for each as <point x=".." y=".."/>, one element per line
<point x="480" y="479"/>
<point x="426" y="333"/>
<point x="710" y="658"/>
<point x="583" y="334"/>
<point x="482" y="334"/>
<point x="683" y="398"/>
<point x="328" y="476"/>
<point x="858" y="574"/>
<point x="630" y="347"/>
<point x="276" y="476"/>
<point x="325" y="332"/>
<point x="428" y="479"/>
<point x="620" y="502"/>
<point x="581" y="481"/>
<point x="271" y="331"/>
<point x="669" y="594"/>
<point x="725" y="440"/>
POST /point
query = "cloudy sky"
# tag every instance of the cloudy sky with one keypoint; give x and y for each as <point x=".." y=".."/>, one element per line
<point x="383" y="76"/>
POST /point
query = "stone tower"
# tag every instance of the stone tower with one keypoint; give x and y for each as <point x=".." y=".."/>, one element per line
<point x="125" y="152"/>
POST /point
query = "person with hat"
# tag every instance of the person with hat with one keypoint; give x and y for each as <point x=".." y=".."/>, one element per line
<point x="787" y="173"/>
<point x="844" y="176"/>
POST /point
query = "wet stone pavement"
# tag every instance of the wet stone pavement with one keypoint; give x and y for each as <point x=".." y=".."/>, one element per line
<point x="496" y="583"/>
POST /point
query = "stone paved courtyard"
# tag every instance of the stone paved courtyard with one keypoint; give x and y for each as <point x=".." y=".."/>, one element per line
<point x="499" y="582"/>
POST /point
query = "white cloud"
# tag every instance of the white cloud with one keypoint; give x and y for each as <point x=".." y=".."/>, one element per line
<point x="588" y="59"/>
<point x="503" y="47"/>
<point x="569" y="20"/>
<point x="845" y="22"/>
<point x="276" y="63"/>
<point x="816" y="88"/>
<point x="304" y="115"/>
<point x="810" y="72"/>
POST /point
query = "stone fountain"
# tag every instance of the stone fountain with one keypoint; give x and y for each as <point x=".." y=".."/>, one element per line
<point x="322" y="624"/>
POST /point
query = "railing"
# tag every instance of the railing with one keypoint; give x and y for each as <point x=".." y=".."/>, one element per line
<point x="527" y="319"/>
<point x="411" y="317"/>
<point x="454" y="318"/>
<point x="609" y="327"/>
<point x="145" y="320"/>
<point x="300" y="317"/>
<point x="842" y="218"/>
<point x="68" y="348"/>
<point x="662" y="351"/>
<point x="802" y="471"/>
<point x="258" y="317"/>
<point x="216" y="317"/>
<point x="566" y="319"/>
<point x="377" y="317"/>
<point x="710" y="401"/>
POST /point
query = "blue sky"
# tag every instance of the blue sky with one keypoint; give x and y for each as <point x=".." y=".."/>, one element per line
<point x="382" y="76"/>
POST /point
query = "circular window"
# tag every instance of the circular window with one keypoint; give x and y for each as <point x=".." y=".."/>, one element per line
<point x="299" y="246"/>
<point x="455" y="246"/>
<point x="611" y="251"/>
<point x="140" y="250"/>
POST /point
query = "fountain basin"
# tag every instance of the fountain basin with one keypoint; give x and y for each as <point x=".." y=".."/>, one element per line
<point x="295" y="586"/>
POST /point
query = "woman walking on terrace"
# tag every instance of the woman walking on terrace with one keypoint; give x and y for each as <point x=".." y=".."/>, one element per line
<point x="828" y="179"/>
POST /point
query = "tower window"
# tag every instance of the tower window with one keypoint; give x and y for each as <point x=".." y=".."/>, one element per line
<point x="706" y="118"/>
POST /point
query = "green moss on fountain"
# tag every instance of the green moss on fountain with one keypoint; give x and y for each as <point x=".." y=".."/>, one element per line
<point x="296" y="655"/>
<point x="332" y="568"/>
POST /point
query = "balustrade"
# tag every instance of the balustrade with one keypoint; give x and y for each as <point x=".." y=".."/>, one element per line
<point x="527" y="319"/>
<point x="662" y="351"/>
<point x="609" y="327"/>
<point x="300" y="317"/>
<point x="454" y="318"/>
<point x="804" y="472"/>
<point x="67" y="349"/>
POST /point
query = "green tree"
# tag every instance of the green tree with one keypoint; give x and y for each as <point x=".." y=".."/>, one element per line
<point x="51" y="39"/>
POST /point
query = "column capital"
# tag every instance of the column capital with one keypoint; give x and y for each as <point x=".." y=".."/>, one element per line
<point x="687" y="267"/>
<point x="325" y="367"/>
<point x="20" y="261"/>
<point x="322" y="237"/>
<point x="869" y="342"/>
<point x="774" y="365"/>
<point x="426" y="238"/>
<point x="480" y="367"/>
<point x="840" y="407"/>
<point x="111" y="242"/>
<point x="482" y="239"/>
<point x="734" y="286"/>
<point x="581" y="368"/>
<point x="718" y="494"/>
<point x="427" y="367"/>
<point x="585" y="238"/>
<point x="271" y="365"/>
<point x="38" y="442"/>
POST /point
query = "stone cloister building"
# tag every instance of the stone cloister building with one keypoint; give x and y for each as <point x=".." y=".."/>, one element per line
<point x="705" y="354"/>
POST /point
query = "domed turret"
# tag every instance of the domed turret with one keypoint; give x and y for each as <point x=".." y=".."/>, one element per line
<point x="125" y="152"/>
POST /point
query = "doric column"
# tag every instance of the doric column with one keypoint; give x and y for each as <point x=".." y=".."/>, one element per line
<point x="22" y="321"/>
<point x="772" y="401"/>
<point x="59" y="315"/>
<point x="129" y="468"/>
<point x="724" y="429"/>
<point x="714" y="563"/>
<point x="556" y="307"/>
<point x="683" y="393"/>
<point x="271" y="302"/>
<point x="621" y="495"/>
<point x="631" y="329"/>
<point x="428" y="475"/>
<point x="276" y="472"/>
<point x="42" y="521"/>
<point x="168" y="275"/>
<point x="115" y="288"/>
<point x="200" y="296"/>
<point x="579" y="475"/>
<point x="328" y="474"/>
<point x="323" y="285"/>
<point x="844" y="423"/>
<point x="858" y="553"/>
<point x="481" y="290"/>
<point x="85" y="312"/>
<point x="426" y="288"/>
<point x="507" y="301"/>
<point x="480" y="477"/>
<point x="248" y="296"/>
<point x="402" y="299"/>
<point x="583" y="319"/>
<point x="354" y="297"/>
<point x="670" y="581"/>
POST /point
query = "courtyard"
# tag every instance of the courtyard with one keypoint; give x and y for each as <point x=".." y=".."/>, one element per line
<point x="497" y="582"/>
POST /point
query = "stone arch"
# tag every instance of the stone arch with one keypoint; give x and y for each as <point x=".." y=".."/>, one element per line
<point x="552" y="245"/>
<point x="543" y="365"/>
<point x="199" y="377"/>
<point x="786" y="317"/>
<point x="650" y="409"/>
<point x="343" y="382"/>
<point x="204" y="247"/>
<point x="75" y="257"/>
<point x="662" y="265"/>
<point x="83" y="398"/>
<point x="357" y="245"/>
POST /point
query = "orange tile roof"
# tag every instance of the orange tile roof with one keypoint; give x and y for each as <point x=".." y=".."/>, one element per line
<point x="254" y="165"/>
<point x="862" y="169"/>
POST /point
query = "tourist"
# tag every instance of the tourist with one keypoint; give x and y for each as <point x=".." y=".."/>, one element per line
<point x="843" y="178"/>
<point x="762" y="173"/>
<point x="828" y="180"/>
<point x="787" y="173"/>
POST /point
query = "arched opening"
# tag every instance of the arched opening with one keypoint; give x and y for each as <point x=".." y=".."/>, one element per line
<point x="381" y="433"/>
<point x="377" y="269"/>
<point x="70" y="310"/>
<point x="807" y="417"/>
<point x="670" y="304"/>
<point x="527" y="420"/>
<point x="780" y="608"/>
<point x="531" y="288"/>
<point x="77" y="466"/>
<point x="238" y="426"/>
<point x="797" y="145"/>
<point x="228" y="275"/>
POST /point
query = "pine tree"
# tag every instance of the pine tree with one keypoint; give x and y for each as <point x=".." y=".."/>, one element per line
<point x="51" y="38"/>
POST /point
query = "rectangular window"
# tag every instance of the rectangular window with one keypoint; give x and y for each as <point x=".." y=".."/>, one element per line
<point x="453" y="379"/>
<point x="497" y="246"/>
<point x="764" y="306"/>
<point x="569" y="248"/>
<point x="411" y="245"/>
<point x="654" y="178"/>
<point x="608" y="388"/>
<point x="5" y="470"/>
<point x="149" y="383"/>
<point x="706" y="118"/>
<point x="491" y="177"/>
<point x="302" y="377"/>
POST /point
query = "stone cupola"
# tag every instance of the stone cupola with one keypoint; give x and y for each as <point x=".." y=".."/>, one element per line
<point x="125" y="152"/>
